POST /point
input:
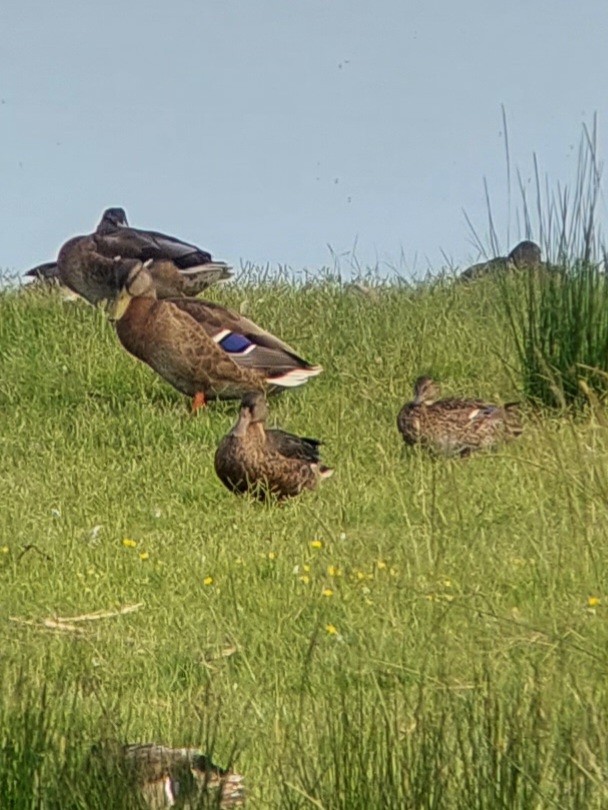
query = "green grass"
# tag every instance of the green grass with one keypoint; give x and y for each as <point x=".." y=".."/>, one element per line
<point x="561" y="333"/>
<point x="467" y="668"/>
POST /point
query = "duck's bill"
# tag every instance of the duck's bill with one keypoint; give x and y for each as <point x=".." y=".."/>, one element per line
<point x="116" y="307"/>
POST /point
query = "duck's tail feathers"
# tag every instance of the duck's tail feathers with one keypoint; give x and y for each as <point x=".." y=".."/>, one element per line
<point x="198" y="278"/>
<point x="295" y="376"/>
<point x="49" y="271"/>
<point x="222" y="270"/>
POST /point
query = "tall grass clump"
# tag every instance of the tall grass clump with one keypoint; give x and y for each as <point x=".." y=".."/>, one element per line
<point x="558" y="316"/>
<point x="467" y="746"/>
<point x="559" y="322"/>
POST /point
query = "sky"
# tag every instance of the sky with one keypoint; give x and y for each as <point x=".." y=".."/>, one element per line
<point x="290" y="131"/>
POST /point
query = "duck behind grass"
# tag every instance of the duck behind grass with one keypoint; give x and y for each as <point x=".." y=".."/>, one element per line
<point x="455" y="427"/>
<point x="166" y="777"/>
<point x="251" y="459"/>
<point x="524" y="256"/>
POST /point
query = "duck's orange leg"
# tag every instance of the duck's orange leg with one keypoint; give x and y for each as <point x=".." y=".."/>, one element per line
<point x="198" y="401"/>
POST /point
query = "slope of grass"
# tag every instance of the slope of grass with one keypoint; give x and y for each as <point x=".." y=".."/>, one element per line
<point x="416" y="633"/>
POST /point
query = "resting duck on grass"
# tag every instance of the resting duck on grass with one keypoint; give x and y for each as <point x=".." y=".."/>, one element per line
<point x="203" y="349"/>
<point x="252" y="459"/>
<point x="86" y="263"/>
<point x="166" y="777"/>
<point x="455" y="427"/>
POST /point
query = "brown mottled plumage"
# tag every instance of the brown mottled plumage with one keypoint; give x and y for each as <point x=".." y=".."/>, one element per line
<point x="524" y="256"/>
<point x="168" y="776"/>
<point x="85" y="263"/>
<point x="261" y="462"/>
<point x="455" y="426"/>
<point x="202" y="349"/>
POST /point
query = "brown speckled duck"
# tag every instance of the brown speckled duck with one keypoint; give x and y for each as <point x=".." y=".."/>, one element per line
<point x="86" y="263"/>
<point x="524" y="256"/>
<point x="455" y="427"/>
<point x="252" y="459"/>
<point x="203" y="349"/>
<point x="166" y="777"/>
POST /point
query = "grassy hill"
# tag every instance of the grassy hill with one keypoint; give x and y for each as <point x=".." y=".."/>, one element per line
<point x="418" y="633"/>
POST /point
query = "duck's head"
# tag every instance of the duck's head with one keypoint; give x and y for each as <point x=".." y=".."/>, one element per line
<point x="426" y="391"/>
<point x="254" y="407"/>
<point x="111" y="219"/>
<point x="526" y="254"/>
<point x="132" y="280"/>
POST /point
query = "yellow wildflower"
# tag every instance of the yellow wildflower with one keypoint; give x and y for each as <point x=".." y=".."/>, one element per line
<point x="208" y="581"/>
<point x="331" y="629"/>
<point x="143" y="556"/>
<point x="380" y="565"/>
<point x="593" y="601"/>
<point x="334" y="571"/>
<point x="306" y="568"/>
<point x="305" y="579"/>
<point x="316" y="544"/>
<point x="327" y="592"/>
<point x="4" y="550"/>
<point x="128" y="543"/>
<point x="272" y="555"/>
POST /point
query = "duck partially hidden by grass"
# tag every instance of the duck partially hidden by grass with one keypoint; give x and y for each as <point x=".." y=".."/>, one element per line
<point x="203" y="349"/>
<point x="86" y="263"/>
<point x="166" y="777"/>
<point x="524" y="256"/>
<point x="455" y="427"/>
<point x="259" y="461"/>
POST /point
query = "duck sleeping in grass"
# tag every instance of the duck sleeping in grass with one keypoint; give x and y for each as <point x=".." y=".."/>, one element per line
<point x="259" y="461"/>
<point x="203" y="349"/>
<point x="166" y="777"/>
<point x="86" y="264"/>
<point x="455" y="427"/>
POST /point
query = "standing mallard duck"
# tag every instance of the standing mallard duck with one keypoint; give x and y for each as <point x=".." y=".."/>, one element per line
<point x="253" y="459"/>
<point x="524" y="256"/>
<point x="455" y="426"/>
<point x="168" y="776"/>
<point x="86" y="263"/>
<point x="203" y="349"/>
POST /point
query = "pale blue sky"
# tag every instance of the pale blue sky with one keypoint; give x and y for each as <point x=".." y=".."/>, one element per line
<point x="263" y="130"/>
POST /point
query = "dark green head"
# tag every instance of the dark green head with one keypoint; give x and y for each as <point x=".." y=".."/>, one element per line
<point x="111" y="219"/>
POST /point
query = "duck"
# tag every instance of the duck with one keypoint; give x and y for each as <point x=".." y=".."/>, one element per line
<point x="525" y="256"/>
<point x="85" y="264"/>
<point x="167" y="776"/>
<point x="455" y="427"/>
<point x="48" y="272"/>
<point x="259" y="461"/>
<point x="203" y="349"/>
